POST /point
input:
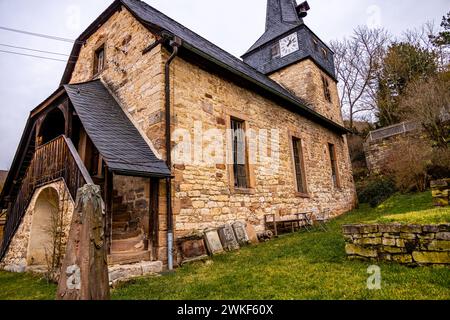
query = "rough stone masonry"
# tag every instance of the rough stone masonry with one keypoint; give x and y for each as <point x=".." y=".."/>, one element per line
<point x="406" y="244"/>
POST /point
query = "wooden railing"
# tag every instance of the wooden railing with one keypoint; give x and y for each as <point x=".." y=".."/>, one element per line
<point x="57" y="159"/>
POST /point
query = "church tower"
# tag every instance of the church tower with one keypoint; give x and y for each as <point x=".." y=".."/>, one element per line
<point x="292" y="55"/>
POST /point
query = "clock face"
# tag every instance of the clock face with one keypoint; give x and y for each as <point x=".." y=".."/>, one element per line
<point x="289" y="45"/>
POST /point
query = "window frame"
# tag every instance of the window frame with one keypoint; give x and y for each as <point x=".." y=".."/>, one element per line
<point x="275" y="51"/>
<point x="250" y="189"/>
<point x="96" y="69"/>
<point x="293" y="137"/>
<point x="335" y="178"/>
<point x="326" y="89"/>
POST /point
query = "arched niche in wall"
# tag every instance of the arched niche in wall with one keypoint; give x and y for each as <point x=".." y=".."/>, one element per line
<point x="45" y="211"/>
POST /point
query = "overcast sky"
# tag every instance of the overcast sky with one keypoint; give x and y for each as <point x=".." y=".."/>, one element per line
<point x="234" y="25"/>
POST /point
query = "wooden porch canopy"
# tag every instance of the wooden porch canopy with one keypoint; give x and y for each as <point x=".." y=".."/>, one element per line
<point x="121" y="145"/>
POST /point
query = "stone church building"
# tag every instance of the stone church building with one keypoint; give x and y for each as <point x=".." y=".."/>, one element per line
<point x="137" y="86"/>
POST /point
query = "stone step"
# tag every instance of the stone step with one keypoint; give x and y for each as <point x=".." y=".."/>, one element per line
<point x="123" y="235"/>
<point x="129" y="257"/>
<point x="128" y="245"/>
<point x="120" y="225"/>
<point x="124" y="216"/>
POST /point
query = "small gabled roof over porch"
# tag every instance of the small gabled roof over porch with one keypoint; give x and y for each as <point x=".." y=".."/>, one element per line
<point x="115" y="136"/>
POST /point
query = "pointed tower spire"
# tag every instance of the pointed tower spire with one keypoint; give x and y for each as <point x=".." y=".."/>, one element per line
<point x="281" y="12"/>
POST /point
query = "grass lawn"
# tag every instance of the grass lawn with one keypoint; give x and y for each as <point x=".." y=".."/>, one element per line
<point x="299" y="266"/>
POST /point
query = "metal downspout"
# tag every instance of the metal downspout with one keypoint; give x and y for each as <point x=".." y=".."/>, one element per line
<point x="175" y="44"/>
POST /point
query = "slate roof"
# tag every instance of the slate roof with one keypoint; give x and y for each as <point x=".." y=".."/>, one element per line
<point x="115" y="136"/>
<point x="282" y="17"/>
<point x="154" y="20"/>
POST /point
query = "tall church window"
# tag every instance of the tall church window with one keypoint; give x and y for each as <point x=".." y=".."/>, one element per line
<point x="299" y="165"/>
<point x="240" y="165"/>
<point x="334" y="168"/>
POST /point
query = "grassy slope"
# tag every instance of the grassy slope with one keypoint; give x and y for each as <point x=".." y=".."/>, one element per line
<point x="299" y="266"/>
<point x="25" y="287"/>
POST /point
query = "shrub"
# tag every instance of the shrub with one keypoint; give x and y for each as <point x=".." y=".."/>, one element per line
<point x="440" y="164"/>
<point x="376" y="190"/>
<point x="409" y="163"/>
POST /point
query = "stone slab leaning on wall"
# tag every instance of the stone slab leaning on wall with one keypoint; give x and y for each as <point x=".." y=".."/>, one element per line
<point x="405" y="244"/>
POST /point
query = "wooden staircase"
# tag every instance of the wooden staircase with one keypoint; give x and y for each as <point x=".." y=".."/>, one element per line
<point x="128" y="242"/>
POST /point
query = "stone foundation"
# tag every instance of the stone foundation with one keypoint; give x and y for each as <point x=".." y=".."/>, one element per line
<point x="405" y="244"/>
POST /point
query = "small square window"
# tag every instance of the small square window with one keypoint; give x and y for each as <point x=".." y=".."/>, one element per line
<point x="275" y="51"/>
<point x="99" y="60"/>
<point x="315" y="44"/>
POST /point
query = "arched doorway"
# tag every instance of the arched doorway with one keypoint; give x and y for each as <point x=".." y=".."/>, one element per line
<point x="53" y="126"/>
<point x="46" y="209"/>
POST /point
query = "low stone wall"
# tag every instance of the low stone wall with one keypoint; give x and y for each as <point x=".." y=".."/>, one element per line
<point x="405" y="244"/>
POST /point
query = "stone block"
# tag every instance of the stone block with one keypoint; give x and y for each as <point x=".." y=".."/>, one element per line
<point x="388" y="241"/>
<point x="431" y="228"/>
<point x="400" y="243"/>
<point x="351" y="229"/>
<point x="151" y="267"/>
<point x="251" y="232"/>
<point x="15" y="268"/>
<point x="426" y="236"/>
<point x="402" y="258"/>
<point x="411" y="228"/>
<point x="369" y="228"/>
<point x="352" y="249"/>
<point x="240" y="232"/>
<point x="394" y="249"/>
<point x="408" y="236"/>
<point x="228" y="238"/>
<point x="371" y="241"/>
<point x="192" y="248"/>
<point x="439" y="245"/>
<point x="213" y="241"/>
<point x="389" y="228"/>
<point x="443" y="236"/>
<point x="431" y="257"/>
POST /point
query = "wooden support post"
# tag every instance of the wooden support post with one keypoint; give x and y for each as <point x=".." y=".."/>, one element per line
<point x="84" y="273"/>
<point x="109" y="187"/>
<point x="154" y="215"/>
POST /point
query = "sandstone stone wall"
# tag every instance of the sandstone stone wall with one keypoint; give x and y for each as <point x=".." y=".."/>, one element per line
<point x="137" y="80"/>
<point x="305" y="80"/>
<point x="135" y="193"/>
<point x="16" y="258"/>
<point x="204" y="195"/>
<point x="405" y="244"/>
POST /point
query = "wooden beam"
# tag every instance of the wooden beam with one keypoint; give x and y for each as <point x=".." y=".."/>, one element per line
<point x="109" y="187"/>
